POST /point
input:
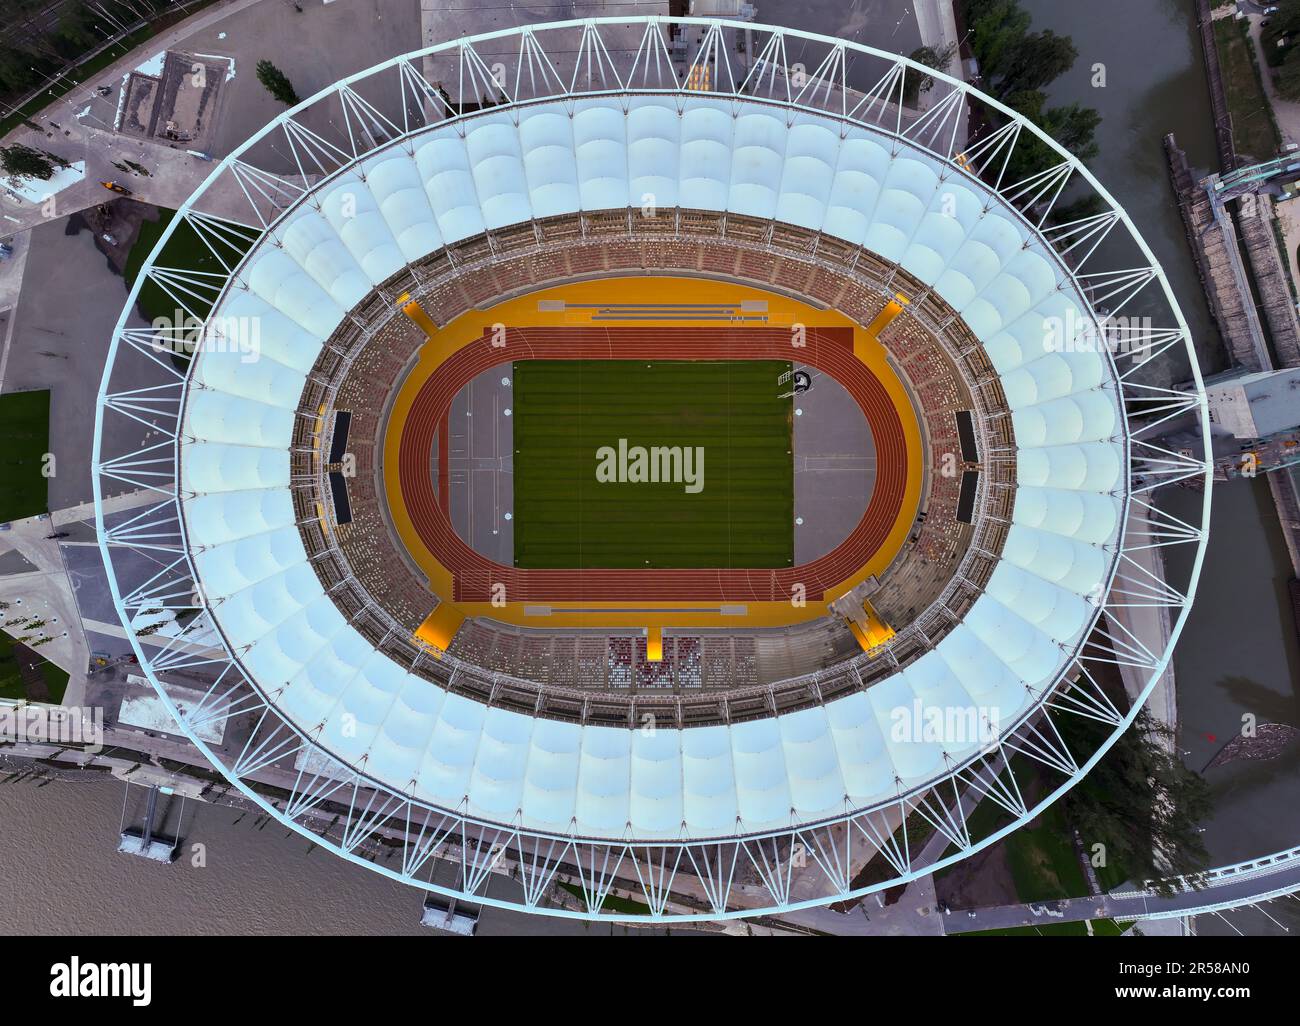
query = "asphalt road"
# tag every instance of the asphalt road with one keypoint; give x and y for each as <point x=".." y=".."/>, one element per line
<point x="62" y="327"/>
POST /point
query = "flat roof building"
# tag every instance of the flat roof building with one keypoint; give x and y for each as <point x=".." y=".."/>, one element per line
<point x="1256" y="405"/>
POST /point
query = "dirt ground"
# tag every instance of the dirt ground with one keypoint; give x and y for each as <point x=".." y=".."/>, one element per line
<point x="980" y="880"/>
<point x="119" y="218"/>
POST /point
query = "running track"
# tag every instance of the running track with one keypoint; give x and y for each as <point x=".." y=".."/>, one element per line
<point x="828" y="349"/>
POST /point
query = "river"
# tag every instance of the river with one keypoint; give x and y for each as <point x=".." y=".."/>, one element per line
<point x="1238" y="654"/>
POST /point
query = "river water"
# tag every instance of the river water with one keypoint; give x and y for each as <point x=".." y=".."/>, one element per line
<point x="1238" y="654"/>
<point x="1149" y="56"/>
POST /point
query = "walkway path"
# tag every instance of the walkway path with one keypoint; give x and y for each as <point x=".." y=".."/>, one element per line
<point x="46" y="590"/>
<point x="1245" y="883"/>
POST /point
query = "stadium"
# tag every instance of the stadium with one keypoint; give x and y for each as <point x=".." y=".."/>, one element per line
<point x="652" y="477"/>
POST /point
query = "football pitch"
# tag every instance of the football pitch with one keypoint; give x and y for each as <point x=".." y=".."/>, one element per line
<point x="673" y="464"/>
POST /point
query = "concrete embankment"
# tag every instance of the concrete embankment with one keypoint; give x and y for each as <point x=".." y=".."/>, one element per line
<point x="1213" y="241"/>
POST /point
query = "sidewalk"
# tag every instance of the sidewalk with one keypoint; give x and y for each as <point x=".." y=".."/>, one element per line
<point x="1145" y="619"/>
<point x="175" y="174"/>
<point x="938" y="26"/>
<point x="11" y="283"/>
<point x="45" y="592"/>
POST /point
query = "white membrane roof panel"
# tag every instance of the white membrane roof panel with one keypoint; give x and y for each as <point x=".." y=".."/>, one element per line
<point x="500" y="169"/>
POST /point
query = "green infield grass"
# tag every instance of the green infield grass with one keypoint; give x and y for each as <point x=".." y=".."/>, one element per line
<point x="577" y="421"/>
<point x="25" y="423"/>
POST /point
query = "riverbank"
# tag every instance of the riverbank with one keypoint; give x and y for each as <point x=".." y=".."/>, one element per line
<point x="1232" y="289"/>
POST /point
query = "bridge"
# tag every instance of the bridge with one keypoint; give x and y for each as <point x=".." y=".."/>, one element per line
<point x="1217" y="890"/>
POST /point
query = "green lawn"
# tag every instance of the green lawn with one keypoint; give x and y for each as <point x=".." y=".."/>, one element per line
<point x="612" y="902"/>
<point x="185" y="249"/>
<point x="1041" y="858"/>
<point x="25" y="427"/>
<point x="566" y="410"/>
<point x="1100" y="928"/>
<point x="1254" y="129"/>
<point x="11" y="681"/>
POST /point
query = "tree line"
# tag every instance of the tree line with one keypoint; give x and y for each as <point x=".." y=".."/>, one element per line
<point x="1279" y="40"/>
<point x="1016" y="65"/>
<point x="42" y="38"/>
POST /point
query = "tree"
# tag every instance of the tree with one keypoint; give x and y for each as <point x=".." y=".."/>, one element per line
<point x="914" y="82"/>
<point x="1287" y="79"/>
<point x="19" y="161"/>
<point x="1035" y="60"/>
<point x="276" y="83"/>
<point x="1278" y="38"/>
<point x="1074" y="127"/>
<point x="21" y="70"/>
<point x="1012" y="59"/>
<point x="995" y="28"/>
<point x="1088" y="205"/>
<point x="1140" y="801"/>
<point x="76" y="33"/>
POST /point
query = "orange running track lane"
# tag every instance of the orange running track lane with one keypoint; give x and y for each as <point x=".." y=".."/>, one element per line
<point x="828" y="349"/>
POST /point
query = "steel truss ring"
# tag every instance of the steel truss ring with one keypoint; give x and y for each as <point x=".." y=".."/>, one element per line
<point x="372" y="809"/>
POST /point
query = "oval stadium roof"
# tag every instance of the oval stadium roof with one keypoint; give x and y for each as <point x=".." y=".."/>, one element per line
<point x="763" y="160"/>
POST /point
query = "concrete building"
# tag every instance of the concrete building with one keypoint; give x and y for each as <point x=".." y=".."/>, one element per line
<point x="1256" y="405"/>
